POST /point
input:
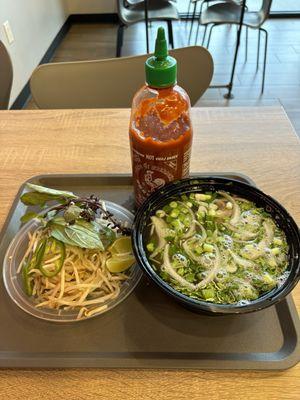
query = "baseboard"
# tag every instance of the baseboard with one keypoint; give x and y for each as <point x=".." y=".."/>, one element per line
<point x="111" y="18"/>
<point x="272" y="15"/>
<point x="24" y="96"/>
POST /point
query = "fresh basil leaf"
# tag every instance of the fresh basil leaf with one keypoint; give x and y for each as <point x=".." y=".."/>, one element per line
<point x="85" y="237"/>
<point x="36" y="199"/>
<point x="91" y="226"/>
<point x="107" y="236"/>
<point x="58" y="232"/>
<point x="72" y="213"/>
<point x="28" y="216"/>
<point x="58" y="221"/>
<point x="53" y="192"/>
<point x="50" y="215"/>
<point x="81" y="239"/>
<point x="82" y="233"/>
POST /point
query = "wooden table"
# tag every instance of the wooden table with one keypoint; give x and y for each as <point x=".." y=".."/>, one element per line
<point x="258" y="142"/>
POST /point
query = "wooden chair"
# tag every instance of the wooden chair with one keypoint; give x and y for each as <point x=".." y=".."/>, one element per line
<point x="111" y="83"/>
<point x="6" y="77"/>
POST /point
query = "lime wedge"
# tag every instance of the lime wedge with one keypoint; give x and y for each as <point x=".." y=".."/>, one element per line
<point x="119" y="263"/>
<point x="121" y="246"/>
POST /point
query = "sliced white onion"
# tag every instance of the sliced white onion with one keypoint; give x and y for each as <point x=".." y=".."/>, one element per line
<point x="167" y="267"/>
<point x="213" y="272"/>
<point x="160" y="227"/>
<point x="189" y="252"/>
<point x="241" y="261"/>
<point x="236" y="212"/>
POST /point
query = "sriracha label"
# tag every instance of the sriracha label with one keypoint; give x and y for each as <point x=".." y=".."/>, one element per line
<point x="152" y="170"/>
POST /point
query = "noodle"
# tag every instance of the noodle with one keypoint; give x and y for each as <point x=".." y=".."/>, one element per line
<point x="82" y="284"/>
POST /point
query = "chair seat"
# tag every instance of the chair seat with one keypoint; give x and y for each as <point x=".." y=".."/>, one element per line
<point x="157" y="10"/>
<point x="229" y="13"/>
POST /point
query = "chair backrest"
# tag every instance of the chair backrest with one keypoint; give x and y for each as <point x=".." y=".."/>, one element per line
<point x="265" y="9"/>
<point x="6" y="77"/>
<point x="123" y="9"/>
<point x="111" y="83"/>
<point x="129" y="16"/>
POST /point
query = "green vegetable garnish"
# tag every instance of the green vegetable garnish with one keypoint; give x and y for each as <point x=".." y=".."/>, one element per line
<point x="78" y="256"/>
<point x="74" y="220"/>
<point x="222" y="249"/>
<point x="51" y="248"/>
<point x="150" y="247"/>
<point x="32" y="263"/>
<point x="28" y="286"/>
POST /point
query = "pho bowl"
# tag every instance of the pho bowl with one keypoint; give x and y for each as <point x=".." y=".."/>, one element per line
<point x="171" y="192"/>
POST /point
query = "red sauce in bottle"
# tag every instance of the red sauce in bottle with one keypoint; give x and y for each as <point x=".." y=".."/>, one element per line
<point x="160" y="129"/>
<point x="160" y="138"/>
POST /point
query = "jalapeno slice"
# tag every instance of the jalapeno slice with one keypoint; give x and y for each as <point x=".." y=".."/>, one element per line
<point x="26" y="281"/>
<point x="31" y="263"/>
<point x="53" y="256"/>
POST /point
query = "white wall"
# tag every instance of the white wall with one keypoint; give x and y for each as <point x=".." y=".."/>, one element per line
<point x="34" y="23"/>
<point x="91" y="6"/>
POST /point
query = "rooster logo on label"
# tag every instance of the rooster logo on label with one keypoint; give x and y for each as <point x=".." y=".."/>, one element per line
<point x="153" y="183"/>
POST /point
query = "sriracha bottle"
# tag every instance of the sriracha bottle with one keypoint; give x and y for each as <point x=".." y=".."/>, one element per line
<point x="160" y="126"/>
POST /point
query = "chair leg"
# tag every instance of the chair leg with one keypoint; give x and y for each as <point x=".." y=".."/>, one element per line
<point x="146" y="12"/>
<point x="258" y="51"/>
<point x="204" y="35"/>
<point x="241" y="22"/>
<point x="265" y="60"/>
<point x="246" y="47"/>
<point x="192" y="22"/>
<point x="197" y="33"/>
<point x="120" y="36"/>
<point x="189" y="9"/>
<point x="170" y="33"/>
<point x="209" y="36"/>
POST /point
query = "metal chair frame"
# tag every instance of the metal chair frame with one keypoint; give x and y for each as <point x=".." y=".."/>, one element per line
<point x="258" y="28"/>
<point x="122" y="25"/>
<point x="195" y="12"/>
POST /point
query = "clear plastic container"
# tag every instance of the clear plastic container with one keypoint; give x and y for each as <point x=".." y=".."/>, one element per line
<point x="14" y="284"/>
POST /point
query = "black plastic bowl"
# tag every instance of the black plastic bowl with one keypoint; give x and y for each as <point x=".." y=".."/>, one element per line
<point x="174" y="189"/>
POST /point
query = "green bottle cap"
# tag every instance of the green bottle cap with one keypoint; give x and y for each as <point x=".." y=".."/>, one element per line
<point x="161" y="69"/>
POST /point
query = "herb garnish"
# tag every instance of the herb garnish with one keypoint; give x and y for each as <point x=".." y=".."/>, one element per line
<point x="76" y="221"/>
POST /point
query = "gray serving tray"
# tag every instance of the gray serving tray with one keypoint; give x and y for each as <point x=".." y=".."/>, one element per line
<point x="148" y="330"/>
